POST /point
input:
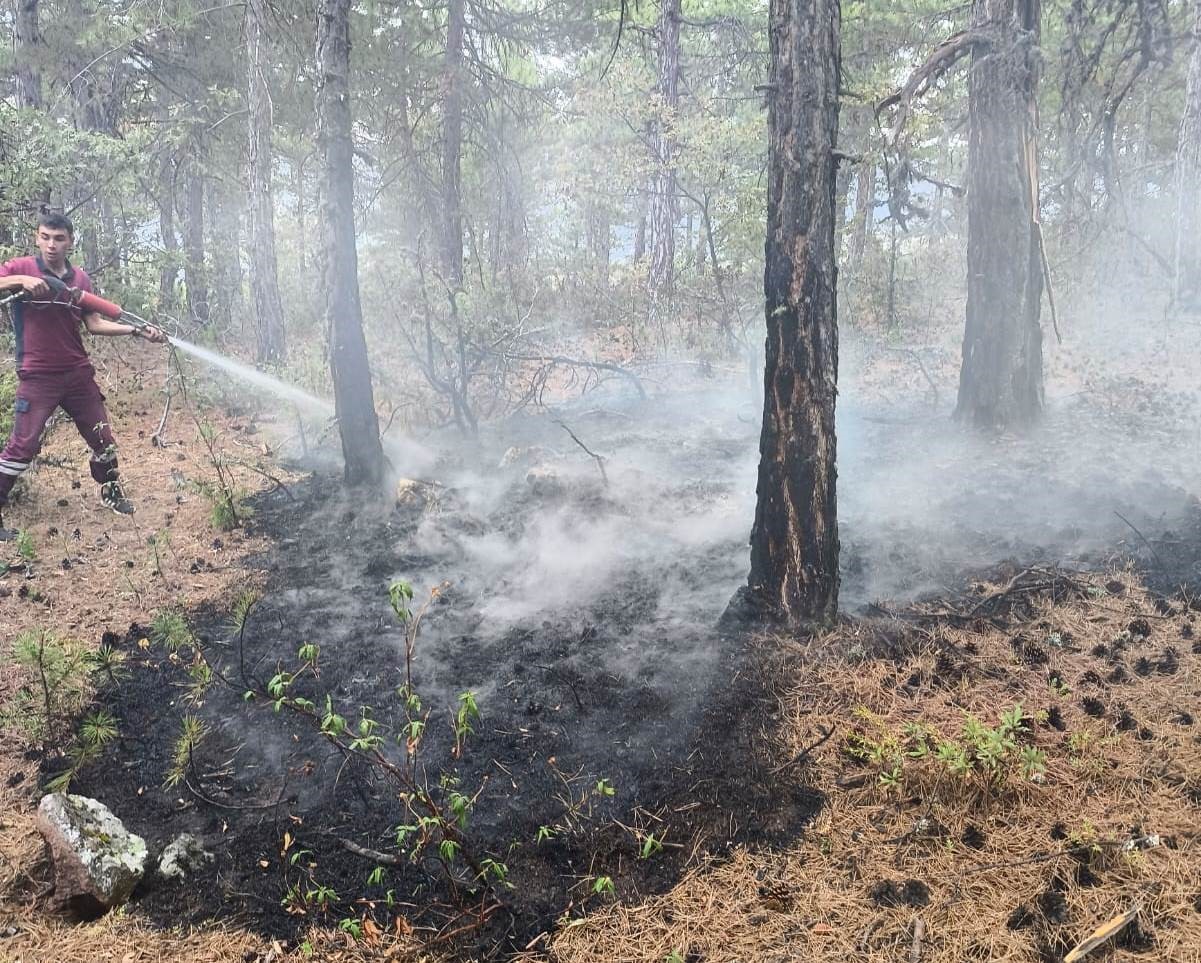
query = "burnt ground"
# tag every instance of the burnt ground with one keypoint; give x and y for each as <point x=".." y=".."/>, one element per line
<point x="581" y="612"/>
<point x="592" y="652"/>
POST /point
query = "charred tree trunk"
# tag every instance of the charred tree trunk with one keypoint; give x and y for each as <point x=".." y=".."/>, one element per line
<point x="195" y="275"/>
<point x="28" y="38"/>
<point x="1001" y="379"/>
<point x="264" y="274"/>
<point x="353" y="397"/>
<point x="664" y="209"/>
<point x="794" y="543"/>
<point x="452" y="146"/>
<point x="1187" y="291"/>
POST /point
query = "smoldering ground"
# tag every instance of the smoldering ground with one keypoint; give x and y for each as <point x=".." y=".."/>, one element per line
<point x="581" y="607"/>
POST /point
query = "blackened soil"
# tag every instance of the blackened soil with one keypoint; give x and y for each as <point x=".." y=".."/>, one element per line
<point x="564" y="704"/>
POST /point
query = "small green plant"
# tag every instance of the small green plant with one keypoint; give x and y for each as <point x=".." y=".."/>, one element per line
<point x="58" y="683"/>
<point x="170" y="630"/>
<point x="95" y="733"/>
<point x="192" y="732"/>
<point x="25" y="545"/>
<point x="651" y="846"/>
<point x="602" y="886"/>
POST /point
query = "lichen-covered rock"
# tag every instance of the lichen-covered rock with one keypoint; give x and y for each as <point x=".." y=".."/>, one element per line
<point x="97" y="861"/>
<point x="183" y="856"/>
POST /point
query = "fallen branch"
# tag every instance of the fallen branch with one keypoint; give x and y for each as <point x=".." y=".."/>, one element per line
<point x="1103" y="934"/>
<point x="600" y="461"/>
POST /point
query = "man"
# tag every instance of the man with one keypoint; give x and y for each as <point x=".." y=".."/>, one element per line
<point x="53" y="368"/>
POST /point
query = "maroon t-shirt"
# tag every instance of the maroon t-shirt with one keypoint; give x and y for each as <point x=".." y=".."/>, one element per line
<point x="48" y="336"/>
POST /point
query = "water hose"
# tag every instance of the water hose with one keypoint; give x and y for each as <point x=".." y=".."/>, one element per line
<point x="87" y="302"/>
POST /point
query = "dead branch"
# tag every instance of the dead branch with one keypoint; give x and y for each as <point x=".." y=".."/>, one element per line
<point x="600" y="461"/>
<point x="579" y="363"/>
<point x="942" y="58"/>
<point x="1103" y="934"/>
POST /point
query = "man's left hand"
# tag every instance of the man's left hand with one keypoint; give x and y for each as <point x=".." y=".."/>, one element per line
<point x="151" y="333"/>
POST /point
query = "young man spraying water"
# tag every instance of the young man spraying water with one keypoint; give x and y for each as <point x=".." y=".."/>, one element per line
<point x="53" y="369"/>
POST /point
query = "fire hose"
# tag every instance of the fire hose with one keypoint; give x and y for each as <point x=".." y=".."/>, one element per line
<point x="85" y="301"/>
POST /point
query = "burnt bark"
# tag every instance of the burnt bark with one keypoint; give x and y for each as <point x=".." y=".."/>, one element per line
<point x="28" y="37"/>
<point x="794" y="544"/>
<point x="1001" y="378"/>
<point x="271" y="339"/>
<point x="664" y="206"/>
<point x="452" y="145"/>
<point x="1187" y="291"/>
<point x="353" y="398"/>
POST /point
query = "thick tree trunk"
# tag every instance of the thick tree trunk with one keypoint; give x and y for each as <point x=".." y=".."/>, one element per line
<point x="664" y="208"/>
<point x="794" y="543"/>
<point x="28" y="39"/>
<point x="353" y="397"/>
<point x="1001" y="379"/>
<point x="264" y="276"/>
<point x="452" y="146"/>
<point x="194" y="271"/>
<point x="1188" y="183"/>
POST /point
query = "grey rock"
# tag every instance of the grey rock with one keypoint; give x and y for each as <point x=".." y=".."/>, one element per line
<point x="183" y="856"/>
<point x="97" y="861"/>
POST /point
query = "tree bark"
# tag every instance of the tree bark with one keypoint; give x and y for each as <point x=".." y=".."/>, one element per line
<point x="1001" y="378"/>
<point x="264" y="273"/>
<point x="452" y="145"/>
<point x="194" y="272"/>
<point x="353" y="398"/>
<point x="794" y="543"/>
<point x="28" y="38"/>
<point x="664" y="208"/>
<point x="1187" y="291"/>
<point x="224" y="202"/>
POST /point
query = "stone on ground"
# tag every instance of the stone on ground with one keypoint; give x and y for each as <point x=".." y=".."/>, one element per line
<point x="97" y="861"/>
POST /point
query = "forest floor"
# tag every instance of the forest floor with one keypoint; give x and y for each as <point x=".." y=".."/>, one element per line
<point x="708" y="794"/>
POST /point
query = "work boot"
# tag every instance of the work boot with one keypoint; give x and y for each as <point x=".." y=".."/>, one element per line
<point x="114" y="498"/>
<point x="7" y="534"/>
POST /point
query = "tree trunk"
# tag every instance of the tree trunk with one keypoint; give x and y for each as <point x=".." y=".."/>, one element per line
<point x="663" y="194"/>
<point x="794" y="543"/>
<point x="353" y="397"/>
<point x="1188" y="183"/>
<point x="452" y="146"/>
<point x="226" y="304"/>
<point x="194" y="272"/>
<point x="29" y="43"/>
<point x="1001" y="379"/>
<point x="865" y="207"/>
<point x="264" y="276"/>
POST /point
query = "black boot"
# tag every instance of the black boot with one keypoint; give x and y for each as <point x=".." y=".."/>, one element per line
<point x="112" y="496"/>
<point x="7" y="534"/>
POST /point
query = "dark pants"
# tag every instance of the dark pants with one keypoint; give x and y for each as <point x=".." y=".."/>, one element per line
<point x="38" y="394"/>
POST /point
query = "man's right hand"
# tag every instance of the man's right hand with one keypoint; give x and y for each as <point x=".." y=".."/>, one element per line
<point x="29" y="284"/>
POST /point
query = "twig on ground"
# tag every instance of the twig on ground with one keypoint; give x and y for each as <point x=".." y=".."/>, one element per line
<point x="1150" y="547"/>
<point x="600" y="461"/>
<point x="1103" y="934"/>
<point x="919" y="932"/>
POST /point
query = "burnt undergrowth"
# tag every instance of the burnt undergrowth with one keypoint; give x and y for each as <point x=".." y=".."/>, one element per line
<point x="590" y="775"/>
